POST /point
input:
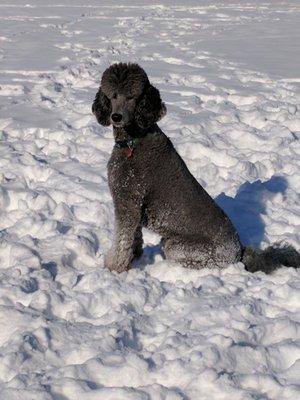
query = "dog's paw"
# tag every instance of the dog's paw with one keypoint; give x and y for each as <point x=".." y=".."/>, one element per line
<point x="109" y="260"/>
<point x="113" y="264"/>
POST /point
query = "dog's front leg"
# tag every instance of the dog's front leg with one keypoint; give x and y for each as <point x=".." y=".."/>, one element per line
<point x="127" y="224"/>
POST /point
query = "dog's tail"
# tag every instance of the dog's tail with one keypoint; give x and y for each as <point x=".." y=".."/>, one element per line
<point x="271" y="258"/>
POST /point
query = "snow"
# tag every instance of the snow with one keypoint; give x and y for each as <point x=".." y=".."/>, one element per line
<point x="70" y="329"/>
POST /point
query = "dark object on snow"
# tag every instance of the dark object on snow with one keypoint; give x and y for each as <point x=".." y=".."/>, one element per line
<point x="271" y="258"/>
<point x="151" y="185"/>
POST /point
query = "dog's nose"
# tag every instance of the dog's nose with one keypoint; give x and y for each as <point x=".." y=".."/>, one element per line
<point x="116" y="117"/>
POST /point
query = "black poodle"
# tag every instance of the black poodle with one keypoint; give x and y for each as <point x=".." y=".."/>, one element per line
<point x="152" y="187"/>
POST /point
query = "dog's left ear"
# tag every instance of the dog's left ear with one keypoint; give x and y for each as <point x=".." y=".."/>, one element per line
<point x="150" y="108"/>
<point x="102" y="108"/>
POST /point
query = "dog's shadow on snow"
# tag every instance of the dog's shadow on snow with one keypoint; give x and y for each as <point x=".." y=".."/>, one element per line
<point x="248" y="206"/>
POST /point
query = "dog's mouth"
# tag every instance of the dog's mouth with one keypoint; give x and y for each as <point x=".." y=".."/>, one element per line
<point x="119" y="124"/>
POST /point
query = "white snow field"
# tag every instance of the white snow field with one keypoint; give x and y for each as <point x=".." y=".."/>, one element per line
<point x="69" y="328"/>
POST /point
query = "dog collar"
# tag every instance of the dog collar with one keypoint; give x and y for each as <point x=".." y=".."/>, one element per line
<point x="128" y="145"/>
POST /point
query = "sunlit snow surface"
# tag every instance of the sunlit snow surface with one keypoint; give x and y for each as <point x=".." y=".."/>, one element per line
<point x="70" y="329"/>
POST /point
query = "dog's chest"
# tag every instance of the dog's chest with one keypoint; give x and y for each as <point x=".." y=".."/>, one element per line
<point x="124" y="175"/>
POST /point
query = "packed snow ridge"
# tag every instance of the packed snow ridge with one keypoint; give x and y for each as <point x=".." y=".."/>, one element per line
<point x="69" y="328"/>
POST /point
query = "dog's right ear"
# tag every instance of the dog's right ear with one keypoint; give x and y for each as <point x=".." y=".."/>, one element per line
<point x="102" y="108"/>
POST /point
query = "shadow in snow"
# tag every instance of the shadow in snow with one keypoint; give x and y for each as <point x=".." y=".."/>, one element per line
<point x="51" y="266"/>
<point x="246" y="209"/>
<point x="148" y="257"/>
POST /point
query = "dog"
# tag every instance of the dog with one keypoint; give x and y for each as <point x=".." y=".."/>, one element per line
<point x="152" y="187"/>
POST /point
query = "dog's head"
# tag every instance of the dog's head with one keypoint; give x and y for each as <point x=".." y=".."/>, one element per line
<point x="126" y="96"/>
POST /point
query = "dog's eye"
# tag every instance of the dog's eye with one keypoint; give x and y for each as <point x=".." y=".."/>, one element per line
<point x="130" y="98"/>
<point x="114" y="96"/>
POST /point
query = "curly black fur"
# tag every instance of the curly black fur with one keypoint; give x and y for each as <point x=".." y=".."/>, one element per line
<point x="102" y="108"/>
<point x="270" y="259"/>
<point x="123" y="77"/>
<point x="150" y="108"/>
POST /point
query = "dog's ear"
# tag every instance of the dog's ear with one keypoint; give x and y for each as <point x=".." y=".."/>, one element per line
<point x="102" y="108"/>
<point x="150" y="108"/>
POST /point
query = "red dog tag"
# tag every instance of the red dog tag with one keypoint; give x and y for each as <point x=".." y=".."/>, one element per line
<point x="129" y="152"/>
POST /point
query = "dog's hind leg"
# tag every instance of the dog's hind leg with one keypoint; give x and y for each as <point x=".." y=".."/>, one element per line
<point x="197" y="254"/>
<point x="189" y="255"/>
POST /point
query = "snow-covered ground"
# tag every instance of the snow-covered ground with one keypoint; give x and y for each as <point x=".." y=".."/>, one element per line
<point x="70" y="329"/>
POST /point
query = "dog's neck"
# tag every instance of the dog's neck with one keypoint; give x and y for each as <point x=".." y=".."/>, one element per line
<point x="132" y="131"/>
